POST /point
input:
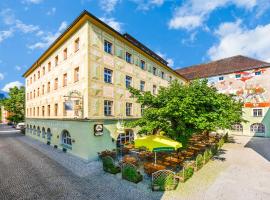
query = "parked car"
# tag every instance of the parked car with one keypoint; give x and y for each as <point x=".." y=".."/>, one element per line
<point x="20" y="126"/>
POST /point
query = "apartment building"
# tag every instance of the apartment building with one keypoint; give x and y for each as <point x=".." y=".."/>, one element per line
<point x="248" y="80"/>
<point x="77" y="91"/>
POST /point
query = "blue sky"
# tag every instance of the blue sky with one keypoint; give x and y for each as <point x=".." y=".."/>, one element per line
<point x="185" y="32"/>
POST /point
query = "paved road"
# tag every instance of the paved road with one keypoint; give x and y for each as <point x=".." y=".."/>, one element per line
<point x="26" y="173"/>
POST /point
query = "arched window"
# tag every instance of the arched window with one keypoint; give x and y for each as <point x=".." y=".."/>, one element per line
<point x="66" y="138"/>
<point x="237" y="127"/>
<point x="31" y="129"/>
<point x="49" y="134"/>
<point x="34" y="130"/>
<point x="38" y="131"/>
<point x="257" y="128"/>
<point x="43" y="132"/>
<point x="126" y="137"/>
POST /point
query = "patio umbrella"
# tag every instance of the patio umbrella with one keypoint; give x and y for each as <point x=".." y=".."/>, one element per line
<point x="157" y="143"/>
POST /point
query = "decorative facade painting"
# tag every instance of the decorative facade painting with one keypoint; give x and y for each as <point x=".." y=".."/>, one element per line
<point x="252" y="87"/>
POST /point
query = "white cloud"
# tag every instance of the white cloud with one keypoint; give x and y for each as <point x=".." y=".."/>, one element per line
<point x="113" y="23"/>
<point x="48" y="38"/>
<point x="1" y="76"/>
<point x="26" y="28"/>
<point x="32" y="1"/>
<point x="5" y="34"/>
<point x="11" y="85"/>
<point x="18" y="68"/>
<point x="193" y="13"/>
<point x="169" y="60"/>
<point x="51" y="11"/>
<point x="235" y="39"/>
<point x="108" y="5"/>
<point x="148" y="4"/>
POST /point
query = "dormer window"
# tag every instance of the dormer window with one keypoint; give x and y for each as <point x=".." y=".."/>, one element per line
<point x="221" y="78"/>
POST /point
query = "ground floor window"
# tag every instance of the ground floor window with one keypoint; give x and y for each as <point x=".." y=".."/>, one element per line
<point x="125" y="138"/>
<point x="237" y="127"/>
<point x="43" y="132"/>
<point x="66" y="138"/>
<point x="257" y="128"/>
<point x="49" y="134"/>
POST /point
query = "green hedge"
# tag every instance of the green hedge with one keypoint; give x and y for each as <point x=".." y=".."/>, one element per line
<point x="199" y="161"/>
<point x="109" y="166"/>
<point x="207" y="155"/>
<point x="130" y="173"/>
<point x="164" y="182"/>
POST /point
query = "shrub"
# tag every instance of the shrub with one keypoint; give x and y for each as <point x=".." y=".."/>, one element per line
<point x="130" y="173"/>
<point x="220" y="143"/>
<point x="109" y="166"/>
<point x="164" y="182"/>
<point x="214" y="149"/>
<point x="207" y="155"/>
<point x="226" y="137"/>
<point x="199" y="161"/>
<point x="186" y="173"/>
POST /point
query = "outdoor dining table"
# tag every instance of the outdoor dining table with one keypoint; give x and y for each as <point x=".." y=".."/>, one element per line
<point x="130" y="159"/>
<point x="150" y="168"/>
<point x="173" y="159"/>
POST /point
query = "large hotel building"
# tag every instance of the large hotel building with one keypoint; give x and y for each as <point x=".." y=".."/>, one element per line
<point x="76" y="92"/>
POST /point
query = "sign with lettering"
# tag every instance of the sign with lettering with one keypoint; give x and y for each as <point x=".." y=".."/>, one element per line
<point x="98" y="129"/>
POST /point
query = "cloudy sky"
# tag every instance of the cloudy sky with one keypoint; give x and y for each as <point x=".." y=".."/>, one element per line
<point x="185" y="32"/>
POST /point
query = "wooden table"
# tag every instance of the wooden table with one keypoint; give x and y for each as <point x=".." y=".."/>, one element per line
<point x="130" y="159"/>
<point x="150" y="168"/>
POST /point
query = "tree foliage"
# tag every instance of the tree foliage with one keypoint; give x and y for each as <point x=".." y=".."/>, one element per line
<point x="15" y="104"/>
<point x="181" y="110"/>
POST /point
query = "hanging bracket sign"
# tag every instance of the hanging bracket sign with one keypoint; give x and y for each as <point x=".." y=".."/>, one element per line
<point x="98" y="129"/>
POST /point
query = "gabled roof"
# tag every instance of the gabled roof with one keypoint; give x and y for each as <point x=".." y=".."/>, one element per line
<point x="220" y="67"/>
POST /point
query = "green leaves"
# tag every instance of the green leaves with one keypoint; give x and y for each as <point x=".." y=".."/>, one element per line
<point x="181" y="110"/>
<point x="15" y="104"/>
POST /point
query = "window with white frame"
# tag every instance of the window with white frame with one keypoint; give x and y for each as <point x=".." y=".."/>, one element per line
<point x="66" y="138"/>
<point x="237" y="127"/>
<point x="128" y="81"/>
<point x="142" y="65"/>
<point x="257" y="112"/>
<point x="107" y="47"/>
<point x="108" y="107"/>
<point x="257" y="128"/>
<point x="128" y="109"/>
<point x="128" y="57"/>
<point x="107" y="75"/>
<point x="142" y="86"/>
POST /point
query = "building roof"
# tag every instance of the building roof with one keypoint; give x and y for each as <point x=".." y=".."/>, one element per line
<point x="220" y="67"/>
<point x="78" y="22"/>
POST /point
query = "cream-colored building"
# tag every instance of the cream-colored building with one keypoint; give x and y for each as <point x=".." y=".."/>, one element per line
<point x="76" y="92"/>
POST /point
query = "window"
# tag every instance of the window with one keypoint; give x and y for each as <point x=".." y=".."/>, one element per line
<point x="65" y="53"/>
<point x="43" y="71"/>
<point x="48" y="110"/>
<point x="154" y="89"/>
<point x="108" y="47"/>
<point x="237" y="127"/>
<point x="56" y="60"/>
<point x="108" y="108"/>
<point x="27" y="82"/>
<point x="56" y="83"/>
<point x="48" y="87"/>
<point x="76" y="74"/>
<point x="258" y="73"/>
<point x="34" y="93"/>
<point x="107" y="75"/>
<point x="77" y="44"/>
<point x="237" y="75"/>
<point x="257" y="112"/>
<point x="162" y="75"/>
<point x="128" y="109"/>
<point x="257" y="128"/>
<point x="34" y="111"/>
<point x="49" y="66"/>
<point x="34" y="77"/>
<point x="124" y="138"/>
<point x="43" y="111"/>
<point x="142" y="85"/>
<point x="170" y="79"/>
<point x="221" y="78"/>
<point x="66" y="138"/>
<point x="55" y="109"/>
<point x="37" y="111"/>
<point x="38" y="74"/>
<point x="64" y="80"/>
<point x="142" y="65"/>
<point x="128" y="81"/>
<point x="31" y="95"/>
<point x="31" y="80"/>
<point x="27" y="96"/>
<point x="154" y="71"/>
<point x="128" y="57"/>
<point x="38" y="92"/>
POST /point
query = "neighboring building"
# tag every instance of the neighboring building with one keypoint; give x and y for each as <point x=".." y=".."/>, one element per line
<point x="4" y="115"/>
<point x="76" y="92"/>
<point x="248" y="79"/>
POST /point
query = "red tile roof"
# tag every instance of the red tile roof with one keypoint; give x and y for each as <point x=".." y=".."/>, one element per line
<point x="223" y="66"/>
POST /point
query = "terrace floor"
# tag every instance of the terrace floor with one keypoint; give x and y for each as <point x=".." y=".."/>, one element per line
<point x="32" y="170"/>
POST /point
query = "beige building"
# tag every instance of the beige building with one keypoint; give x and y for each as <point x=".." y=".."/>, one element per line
<point x="76" y="92"/>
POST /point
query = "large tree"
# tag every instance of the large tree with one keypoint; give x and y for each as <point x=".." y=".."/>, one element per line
<point x="182" y="110"/>
<point x="15" y="104"/>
